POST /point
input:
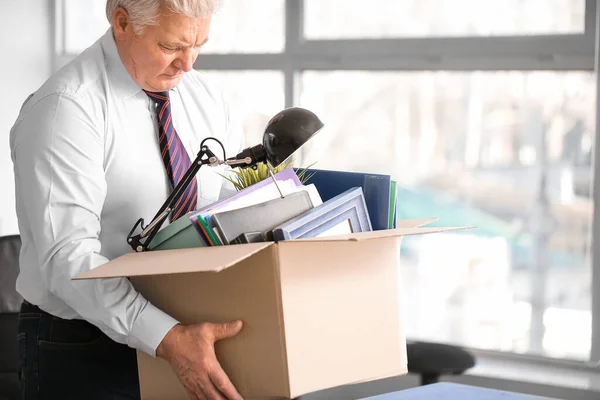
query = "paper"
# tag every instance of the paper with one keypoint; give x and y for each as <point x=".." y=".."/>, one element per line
<point x="343" y="228"/>
<point x="268" y="192"/>
<point x="286" y="174"/>
<point x="315" y="197"/>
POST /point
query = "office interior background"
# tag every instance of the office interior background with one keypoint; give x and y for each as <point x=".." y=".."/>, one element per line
<point x="484" y="111"/>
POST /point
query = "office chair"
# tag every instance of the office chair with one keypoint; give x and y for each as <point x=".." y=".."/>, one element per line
<point x="432" y="360"/>
<point x="10" y="303"/>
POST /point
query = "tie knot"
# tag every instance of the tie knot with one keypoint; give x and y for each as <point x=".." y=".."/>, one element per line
<point x="160" y="97"/>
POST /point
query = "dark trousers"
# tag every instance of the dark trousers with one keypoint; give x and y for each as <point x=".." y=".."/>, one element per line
<point x="72" y="359"/>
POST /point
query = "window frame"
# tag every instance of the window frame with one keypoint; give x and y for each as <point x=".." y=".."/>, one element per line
<point x="563" y="52"/>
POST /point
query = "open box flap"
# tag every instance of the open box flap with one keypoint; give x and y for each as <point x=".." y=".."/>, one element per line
<point x="204" y="259"/>
<point x="414" y="223"/>
<point x="398" y="232"/>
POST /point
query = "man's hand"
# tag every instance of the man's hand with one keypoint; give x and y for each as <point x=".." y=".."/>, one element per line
<point x="190" y="351"/>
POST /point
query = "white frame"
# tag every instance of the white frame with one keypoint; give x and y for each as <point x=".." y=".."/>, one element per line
<point x="595" y="261"/>
<point x="523" y="53"/>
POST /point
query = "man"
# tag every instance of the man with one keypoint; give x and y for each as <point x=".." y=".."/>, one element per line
<point x="100" y="144"/>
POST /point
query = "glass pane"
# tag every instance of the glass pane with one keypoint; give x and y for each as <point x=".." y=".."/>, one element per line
<point x="236" y="28"/>
<point x="508" y="152"/>
<point x="243" y="26"/>
<point x="85" y="21"/>
<point x="254" y="96"/>
<point x="335" y="19"/>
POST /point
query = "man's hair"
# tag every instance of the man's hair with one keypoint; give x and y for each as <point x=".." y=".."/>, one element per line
<point x="145" y="12"/>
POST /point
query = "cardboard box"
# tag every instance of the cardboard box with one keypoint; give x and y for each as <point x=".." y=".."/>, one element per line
<point x="317" y="313"/>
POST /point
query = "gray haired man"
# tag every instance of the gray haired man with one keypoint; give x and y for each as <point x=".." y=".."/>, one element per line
<point x="101" y="143"/>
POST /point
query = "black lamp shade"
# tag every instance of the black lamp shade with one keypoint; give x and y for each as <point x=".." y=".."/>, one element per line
<point x="287" y="131"/>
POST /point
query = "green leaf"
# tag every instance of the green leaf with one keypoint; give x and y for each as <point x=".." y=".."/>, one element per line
<point x="244" y="177"/>
<point x="301" y="174"/>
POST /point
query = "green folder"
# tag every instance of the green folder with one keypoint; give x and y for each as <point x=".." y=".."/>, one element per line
<point x="208" y="232"/>
<point x="180" y="234"/>
<point x="393" y="201"/>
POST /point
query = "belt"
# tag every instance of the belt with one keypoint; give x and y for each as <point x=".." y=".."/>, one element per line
<point x="27" y="307"/>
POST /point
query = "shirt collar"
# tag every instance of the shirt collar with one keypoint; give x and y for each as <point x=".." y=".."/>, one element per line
<point x="117" y="72"/>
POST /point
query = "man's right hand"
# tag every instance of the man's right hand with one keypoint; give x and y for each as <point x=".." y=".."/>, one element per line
<point x="190" y="351"/>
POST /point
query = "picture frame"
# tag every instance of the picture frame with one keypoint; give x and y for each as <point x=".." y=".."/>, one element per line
<point x="345" y="213"/>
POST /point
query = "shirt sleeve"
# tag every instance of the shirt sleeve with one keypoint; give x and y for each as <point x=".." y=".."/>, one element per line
<point x="58" y="155"/>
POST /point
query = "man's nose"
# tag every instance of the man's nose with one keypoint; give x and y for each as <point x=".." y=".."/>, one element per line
<point x="186" y="60"/>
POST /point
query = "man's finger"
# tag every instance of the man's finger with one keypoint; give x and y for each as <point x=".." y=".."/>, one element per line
<point x="211" y="392"/>
<point x="221" y="381"/>
<point x="227" y="330"/>
<point x="192" y="395"/>
<point x="201" y="391"/>
<point x="192" y="388"/>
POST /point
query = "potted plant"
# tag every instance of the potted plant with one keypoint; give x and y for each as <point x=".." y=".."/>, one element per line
<point x="244" y="177"/>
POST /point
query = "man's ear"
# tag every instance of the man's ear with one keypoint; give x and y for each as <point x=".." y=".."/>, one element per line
<point x="121" y="23"/>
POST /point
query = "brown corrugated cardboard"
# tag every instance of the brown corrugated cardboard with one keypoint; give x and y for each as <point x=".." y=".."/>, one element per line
<point x="317" y="313"/>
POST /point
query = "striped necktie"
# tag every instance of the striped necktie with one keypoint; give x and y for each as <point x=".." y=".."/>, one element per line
<point x="174" y="156"/>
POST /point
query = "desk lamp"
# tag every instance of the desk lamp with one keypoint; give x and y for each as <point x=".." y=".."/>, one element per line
<point x="285" y="133"/>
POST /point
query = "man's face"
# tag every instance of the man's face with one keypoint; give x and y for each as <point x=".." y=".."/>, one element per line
<point x="158" y="58"/>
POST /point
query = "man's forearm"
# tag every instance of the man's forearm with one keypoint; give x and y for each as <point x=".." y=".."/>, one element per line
<point x="112" y="304"/>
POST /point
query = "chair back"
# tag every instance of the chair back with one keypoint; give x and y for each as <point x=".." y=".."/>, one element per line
<point x="10" y="303"/>
<point x="10" y="300"/>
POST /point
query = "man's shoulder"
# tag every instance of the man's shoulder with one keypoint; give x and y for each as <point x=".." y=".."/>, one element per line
<point x="78" y="79"/>
<point x="78" y="84"/>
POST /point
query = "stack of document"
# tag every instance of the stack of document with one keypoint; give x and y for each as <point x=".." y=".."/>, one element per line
<point x="282" y="208"/>
<point x="246" y="216"/>
<point x="254" y="210"/>
<point x="379" y="190"/>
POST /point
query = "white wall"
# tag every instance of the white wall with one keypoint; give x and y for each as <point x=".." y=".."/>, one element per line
<point x="25" y="63"/>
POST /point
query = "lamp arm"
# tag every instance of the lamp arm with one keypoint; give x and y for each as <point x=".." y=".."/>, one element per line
<point x="204" y="157"/>
<point x="286" y="132"/>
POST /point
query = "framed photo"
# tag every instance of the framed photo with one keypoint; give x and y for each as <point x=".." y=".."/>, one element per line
<point x="345" y="213"/>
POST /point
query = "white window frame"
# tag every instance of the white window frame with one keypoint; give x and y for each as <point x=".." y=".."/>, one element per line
<point x="562" y="52"/>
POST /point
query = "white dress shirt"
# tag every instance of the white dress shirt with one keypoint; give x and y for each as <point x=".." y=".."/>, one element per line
<point x="87" y="165"/>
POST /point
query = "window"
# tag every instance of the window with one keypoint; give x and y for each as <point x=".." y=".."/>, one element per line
<point x="247" y="27"/>
<point x="497" y="150"/>
<point x="254" y="97"/>
<point x="483" y="111"/>
<point x="237" y="27"/>
<point x="334" y="19"/>
<point x="84" y="23"/>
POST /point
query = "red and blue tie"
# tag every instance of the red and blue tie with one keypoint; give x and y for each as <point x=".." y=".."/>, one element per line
<point x="174" y="156"/>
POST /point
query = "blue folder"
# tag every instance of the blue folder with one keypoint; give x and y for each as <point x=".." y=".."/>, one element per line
<point x="376" y="189"/>
<point x="453" y="391"/>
